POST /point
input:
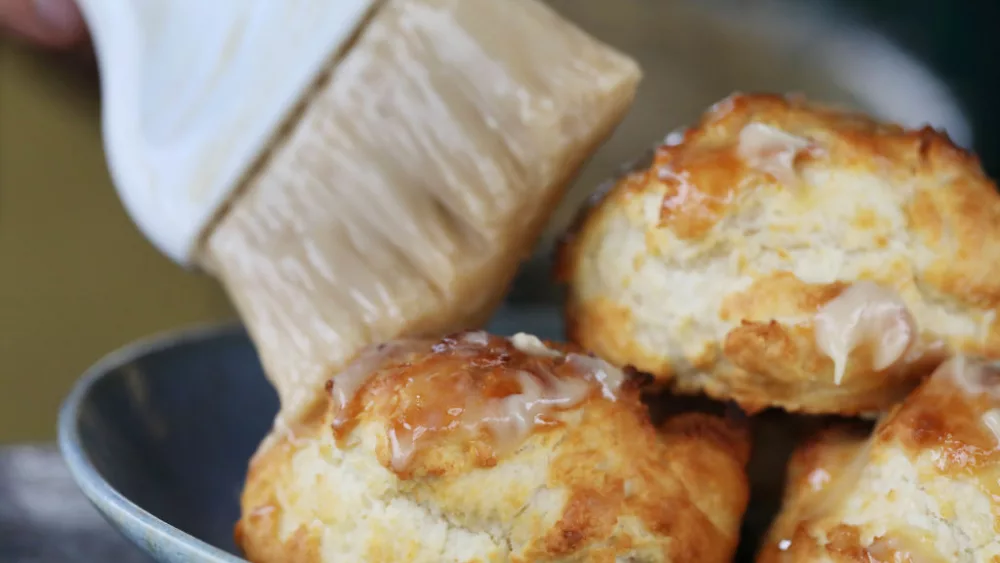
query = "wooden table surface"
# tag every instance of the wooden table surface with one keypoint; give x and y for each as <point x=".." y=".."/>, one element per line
<point x="44" y="518"/>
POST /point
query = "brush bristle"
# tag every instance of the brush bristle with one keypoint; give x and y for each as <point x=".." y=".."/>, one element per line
<point x="416" y="179"/>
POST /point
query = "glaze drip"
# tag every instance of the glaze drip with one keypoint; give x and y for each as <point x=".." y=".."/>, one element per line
<point x="474" y="386"/>
<point x="865" y="314"/>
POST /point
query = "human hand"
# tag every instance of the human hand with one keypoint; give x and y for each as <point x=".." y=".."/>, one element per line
<point x="54" y="24"/>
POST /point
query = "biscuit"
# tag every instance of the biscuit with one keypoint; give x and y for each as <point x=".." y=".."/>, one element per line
<point x="925" y="487"/>
<point x="786" y="254"/>
<point x="477" y="448"/>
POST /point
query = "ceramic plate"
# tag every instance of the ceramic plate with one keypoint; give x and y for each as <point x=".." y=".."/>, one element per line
<point x="159" y="434"/>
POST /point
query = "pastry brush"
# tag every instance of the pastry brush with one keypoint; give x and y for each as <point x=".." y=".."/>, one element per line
<point x="350" y="170"/>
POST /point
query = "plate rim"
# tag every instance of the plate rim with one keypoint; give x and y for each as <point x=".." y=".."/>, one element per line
<point x="115" y="506"/>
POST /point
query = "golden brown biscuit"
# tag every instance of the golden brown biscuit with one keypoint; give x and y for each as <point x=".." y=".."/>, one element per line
<point x="479" y="448"/>
<point x="925" y="488"/>
<point x="785" y="254"/>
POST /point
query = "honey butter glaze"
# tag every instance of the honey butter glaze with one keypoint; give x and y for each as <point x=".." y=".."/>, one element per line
<point x="980" y="381"/>
<point x="706" y="266"/>
<point x="474" y="448"/>
<point x="701" y="185"/>
<point x="865" y="314"/>
<point x="475" y="387"/>
<point x="772" y="151"/>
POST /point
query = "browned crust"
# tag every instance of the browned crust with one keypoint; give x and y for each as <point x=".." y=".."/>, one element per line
<point x="942" y="417"/>
<point x="684" y="481"/>
<point x="617" y="346"/>
<point x="762" y="362"/>
<point x="939" y="416"/>
<point x="257" y="530"/>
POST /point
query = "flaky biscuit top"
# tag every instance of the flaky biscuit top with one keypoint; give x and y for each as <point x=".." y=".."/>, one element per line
<point x="782" y="253"/>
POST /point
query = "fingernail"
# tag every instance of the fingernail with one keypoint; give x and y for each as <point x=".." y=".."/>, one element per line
<point x="59" y="15"/>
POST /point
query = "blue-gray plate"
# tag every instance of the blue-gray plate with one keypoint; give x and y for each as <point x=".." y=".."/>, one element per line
<point x="158" y="434"/>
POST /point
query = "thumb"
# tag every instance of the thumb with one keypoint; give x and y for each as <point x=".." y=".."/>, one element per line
<point x="49" y="23"/>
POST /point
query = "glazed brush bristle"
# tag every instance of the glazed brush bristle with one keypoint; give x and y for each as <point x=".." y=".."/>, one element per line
<point x="418" y="175"/>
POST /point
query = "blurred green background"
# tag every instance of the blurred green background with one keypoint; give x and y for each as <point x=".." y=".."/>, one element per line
<point x="76" y="278"/>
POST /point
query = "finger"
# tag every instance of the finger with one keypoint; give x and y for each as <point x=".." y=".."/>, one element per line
<point x="49" y="23"/>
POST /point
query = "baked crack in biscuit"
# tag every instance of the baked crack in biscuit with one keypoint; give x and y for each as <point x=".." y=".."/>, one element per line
<point x="477" y="448"/>
<point x="786" y="254"/>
